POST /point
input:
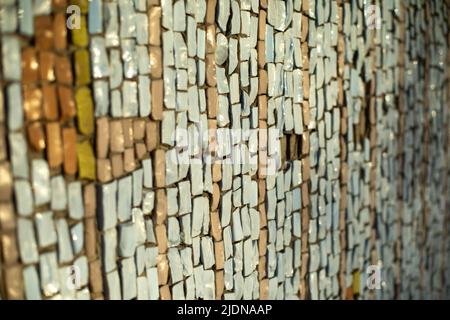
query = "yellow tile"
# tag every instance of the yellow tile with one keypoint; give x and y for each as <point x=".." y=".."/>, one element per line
<point x="86" y="160"/>
<point x="356" y="282"/>
<point x="80" y="36"/>
<point x="83" y="4"/>
<point x="82" y="67"/>
<point x="85" y="110"/>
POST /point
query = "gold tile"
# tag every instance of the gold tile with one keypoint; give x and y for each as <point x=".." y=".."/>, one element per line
<point x="85" y="110"/>
<point x="82" y="67"/>
<point x="80" y="36"/>
<point x="86" y="160"/>
<point x="356" y="282"/>
<point x="83" y="4"/>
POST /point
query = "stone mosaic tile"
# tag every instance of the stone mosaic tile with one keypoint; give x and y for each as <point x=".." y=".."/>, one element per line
<point x="130" y="167"/>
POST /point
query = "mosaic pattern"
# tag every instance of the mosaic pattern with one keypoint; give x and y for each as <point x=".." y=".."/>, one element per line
<point x="335" y="115"/>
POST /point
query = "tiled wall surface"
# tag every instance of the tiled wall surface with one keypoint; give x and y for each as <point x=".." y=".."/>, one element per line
<point x="344" y="172"/>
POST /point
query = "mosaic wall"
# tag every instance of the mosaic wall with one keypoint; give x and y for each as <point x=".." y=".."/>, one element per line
<point x="344" y="168"/>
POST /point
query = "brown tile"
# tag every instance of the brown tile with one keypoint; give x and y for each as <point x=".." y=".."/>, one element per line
<point x="47" y="66"/>
<point x="3" y="147"/>
<point x="36" y="136"/>
<point x="155" y="54"/>
<point x="14" y="282"/>
<point x="220" y="284"/>
<point x="59" y="4"/>
<point x="306" y="84"/>
<point x="50" y="102"/>
<point x="372" y="111"/>
<point x="216" y="227"/>
<point x="151" y="135"/>
<point x="164" y="293"/>
<point x="305" y="169"/>
<point x="211" y="69"/>
<point x="215" y="197"/>
<point x="139" y="129"/>
<point x="141" y="150"/>
<point x="305" y="231"/>
<point x="157" y="99"/>
<point x="261" y="190"/>
<point x="211" y="38"/>
<point x="349" y="293"/>
<point x="305" y="23"/>
<point x="154" y="19"/>
<point x="128" y="160"/>
<point x="264" y="289"/>
<point x="2" y="107"/>
<point x="262" y="135"/>
<point x="90" y="236"/>
<point x="217" y="172"/>
<point x="161" y="238"/>
<point x="342" y="204"/>
<point x="211" y="95"/>
<point x="212" y="137"/>
<point x="159" y="168"/>
<point x="43" y="30"/>
<point x="60" y="31"/>
<point x="262" y="242"/>
<point x="262" y="215"/>
<point x="89" y="198"/>
<point x="293" y="147"/>
<point x="302" y="289"/>
<point x="116" y="136"/>
<point x="127" y="127"/>
<point x="262" y="268"/>
<point x="95" y="276"/>
<point x="305" y="143"/>
<point x="117" y="165"/>
<point x="262" y="107"/>
<point x="261" y="47"/>
<point x="163" y="268"/>
<point x="32" y="103"/>
<point x="9" y="248"/>
<point x="211" y="12"/>
<point x="283" y="147"/>
<point x="102" y="138"/>
<point x="30" y="66"/>
<point x="161" y="206"/>
<point x="305" y="190"/>
<point x="5" y="182"/>
<point x="63" y="70"/>
<point x="66" y="102"/>
<point x="70" y="152"/>
<point x="262" y="163"/>
<point x="262" y="88"/>
<point x="54" y="145"/>
<point x="219" y="254"/>
<point x="344" y="116"/>
<point x="7" y="216"/>
<point x="262" y="25"/>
